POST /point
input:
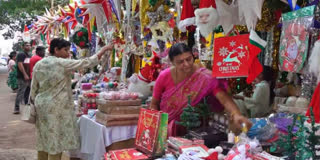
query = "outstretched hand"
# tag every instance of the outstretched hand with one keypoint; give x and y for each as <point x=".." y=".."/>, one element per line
<point x="236" y="123"/>
<point x="104" y="50"/>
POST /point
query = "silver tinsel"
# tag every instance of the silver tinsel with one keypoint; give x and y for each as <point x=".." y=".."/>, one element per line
<point x="307" y="85"/>
<point x="269" y="49"/>
<point x="308" y="80"/>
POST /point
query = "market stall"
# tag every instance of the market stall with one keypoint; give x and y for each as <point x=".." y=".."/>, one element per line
<point x="265" y="54"/>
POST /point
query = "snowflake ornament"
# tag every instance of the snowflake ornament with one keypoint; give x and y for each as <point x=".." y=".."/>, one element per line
<point x="232" y="43"/>
<point x="223" y="51"/>
<point x="241" y="54"/>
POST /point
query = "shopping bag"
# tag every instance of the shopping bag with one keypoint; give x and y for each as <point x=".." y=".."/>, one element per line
<point x="28" y="113"/>
<point x="231" y="55"/>
<point x="151" y="132"/>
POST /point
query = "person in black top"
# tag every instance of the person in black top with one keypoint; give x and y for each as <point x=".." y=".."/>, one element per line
<point x="23" y="78"/>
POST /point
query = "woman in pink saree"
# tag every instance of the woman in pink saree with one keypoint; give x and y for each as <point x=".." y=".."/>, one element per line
<point x="185" y="79"/>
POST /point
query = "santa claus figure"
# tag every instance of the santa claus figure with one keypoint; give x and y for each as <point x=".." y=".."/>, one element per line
<point x="142" y="82"/>
<point x="314" y="68"/>
<point x="207" y="17"/>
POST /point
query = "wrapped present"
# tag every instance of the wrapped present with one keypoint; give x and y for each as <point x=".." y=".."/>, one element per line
<point x="125" y="154"/>
<point x="152" y="132"/>
<point x="120" y="110"/>
<point x="118" y="103"/>
<point x="116" y="120"/>
<point x="201" y="150"/>
<point x="86" y="86"/>
<point x="180" y="141"/>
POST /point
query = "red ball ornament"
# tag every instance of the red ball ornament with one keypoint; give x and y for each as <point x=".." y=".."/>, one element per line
<point x="115" y="84"/>
<point x="172" y="23"/>
<point x="79" y="34"/>
<point x="82" y="44"/>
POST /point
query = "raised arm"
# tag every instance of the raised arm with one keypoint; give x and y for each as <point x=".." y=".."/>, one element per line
<point x="71" y="65"/>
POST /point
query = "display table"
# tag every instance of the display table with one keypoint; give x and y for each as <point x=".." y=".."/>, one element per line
<point x="96" y="137"/>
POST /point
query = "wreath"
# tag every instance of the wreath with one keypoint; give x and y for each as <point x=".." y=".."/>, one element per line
<point x="80" y="38"/>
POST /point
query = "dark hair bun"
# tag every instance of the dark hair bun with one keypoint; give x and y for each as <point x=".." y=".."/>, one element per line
<point x="178" y="49"/>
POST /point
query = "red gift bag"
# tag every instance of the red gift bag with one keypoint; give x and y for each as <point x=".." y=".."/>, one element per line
<point x="231" y="55"/>
<point x="151" y="132"/>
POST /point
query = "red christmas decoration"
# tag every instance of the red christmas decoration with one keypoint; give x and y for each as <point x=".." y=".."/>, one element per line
<point x="82" y="44"/>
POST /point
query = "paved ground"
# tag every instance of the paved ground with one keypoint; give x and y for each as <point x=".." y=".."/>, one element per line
<point x="17" y="138"/>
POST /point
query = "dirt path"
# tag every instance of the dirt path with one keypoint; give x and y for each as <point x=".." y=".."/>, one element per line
<point x="17" y="138"/>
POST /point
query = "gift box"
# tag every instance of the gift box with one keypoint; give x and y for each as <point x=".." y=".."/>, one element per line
<point x="118" y="103"/>
<point x="126" y="154"/>
<point x="86" y="86"/>
<point x="120" y="109"/>
<point x="201" y="150"/>
<point x="116" y="120"/>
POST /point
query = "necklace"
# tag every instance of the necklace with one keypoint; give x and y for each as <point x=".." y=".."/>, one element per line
<point x="177" y="81"/>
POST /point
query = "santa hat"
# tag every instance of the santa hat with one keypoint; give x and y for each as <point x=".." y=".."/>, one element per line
<point x="187" y="16"/>
<point x="206" y="5"/>
<point x="151" y="72"/>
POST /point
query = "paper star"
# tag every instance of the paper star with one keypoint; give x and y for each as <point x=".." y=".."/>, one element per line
<point x="228" y="15"/>
<point x="241" y="54"/>
<point x="232" y="43"/>
<point x="250" y="12"/>
<point x="95" y="11"/>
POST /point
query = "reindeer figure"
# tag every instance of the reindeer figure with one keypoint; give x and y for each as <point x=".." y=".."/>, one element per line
<point x="240" y="47"/>
<point x="229" y="59"/>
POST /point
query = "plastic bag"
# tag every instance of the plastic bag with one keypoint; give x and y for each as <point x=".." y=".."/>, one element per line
<point x="262" y="129"/>
<point x="294" y="39"/>
<point x="245" y="149"/>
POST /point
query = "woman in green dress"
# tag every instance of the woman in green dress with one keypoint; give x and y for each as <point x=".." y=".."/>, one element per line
<point x="56" y="125"/>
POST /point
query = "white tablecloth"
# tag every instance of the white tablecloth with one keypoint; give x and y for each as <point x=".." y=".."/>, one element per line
<point x="96" y="137"/>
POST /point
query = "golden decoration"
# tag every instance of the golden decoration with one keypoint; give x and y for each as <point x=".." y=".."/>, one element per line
<point x="276" y="44"/>
<point x="267" y="20"/>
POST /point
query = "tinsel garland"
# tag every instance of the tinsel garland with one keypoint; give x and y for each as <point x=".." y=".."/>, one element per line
<point x="276" y="44"/>
<point x="267" y="20"/>
<point x="308" y="81"/>
<point x="268" y="59"/>
<point x="92" y="43"/>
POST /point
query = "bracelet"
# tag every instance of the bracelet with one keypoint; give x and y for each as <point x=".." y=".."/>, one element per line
<point x="232" y="115"/>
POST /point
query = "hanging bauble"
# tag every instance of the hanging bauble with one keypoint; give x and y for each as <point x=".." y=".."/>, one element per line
<point x="110" y="85"/>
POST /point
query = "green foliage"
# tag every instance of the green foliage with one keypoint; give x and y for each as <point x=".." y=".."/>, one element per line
<point x="286" y="142"/>
<point x="313" y="139"/>
<point x="302" y="144"/>
<point x="16" y="13"/>
<point x="189" y="117"/>
<point x="192" y="116"/>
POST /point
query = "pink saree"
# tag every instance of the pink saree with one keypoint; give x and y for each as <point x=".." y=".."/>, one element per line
<point x="201" y="84"/>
